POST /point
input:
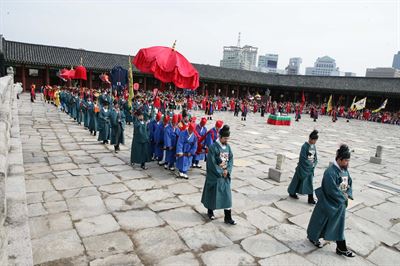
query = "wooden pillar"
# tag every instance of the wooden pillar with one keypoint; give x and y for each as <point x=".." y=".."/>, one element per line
<point x="47" y="76"/>
<point x="237" y="91"/>
<point x="203" y="89"/>
<point x="145" y="83"/>
<point x="215" y="89"/>
<point x="90" y="79"/>
<point x="24" y="79"/>
<point x="226" y="90"/>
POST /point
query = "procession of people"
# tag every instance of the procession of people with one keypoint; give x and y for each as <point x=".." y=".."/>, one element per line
<point x="170" y="136"/>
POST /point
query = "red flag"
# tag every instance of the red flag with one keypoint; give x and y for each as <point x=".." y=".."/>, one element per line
<point x="303" y="101"/>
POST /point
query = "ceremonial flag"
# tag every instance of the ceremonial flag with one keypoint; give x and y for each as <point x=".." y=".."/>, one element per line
<point x="303" y="101"/>
<point x="360" y="104"/>
<point x="330" y="107"/>
<point x="130" y="83"/>
<point x="383" y="105"/>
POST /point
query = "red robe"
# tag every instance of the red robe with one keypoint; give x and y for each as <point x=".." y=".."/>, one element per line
<point x="219" y="104"/>
<point x="232" y="105"/>
<point x="255" y="108"/>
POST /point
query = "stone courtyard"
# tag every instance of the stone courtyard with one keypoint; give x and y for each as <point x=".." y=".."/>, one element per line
<point x="88" y="206"/>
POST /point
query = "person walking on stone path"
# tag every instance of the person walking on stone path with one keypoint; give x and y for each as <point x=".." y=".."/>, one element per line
<point x="159" y="140"/>
<point x="217" y="192"/>
<point x="200" y="132"/>
<point x="302" y="181"/>
<point x="186" y="147"/>
<point x="212" y="134"/>
<point x="151" y="128"/>
<point x="171" y="135"/>
<point x="328" y="218"/>
<point x="104" y="123"/>
<point x="92" y="112"/>
<point x="140" y="152"/>
<point x="117" y="121"/>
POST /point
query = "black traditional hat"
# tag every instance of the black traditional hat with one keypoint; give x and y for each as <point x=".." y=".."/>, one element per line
<point x="225" y="132"/>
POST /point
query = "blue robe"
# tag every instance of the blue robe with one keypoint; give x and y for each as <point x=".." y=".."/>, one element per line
<point x="159" y="141"/>
<point x="186" y="145"/>
<point x="212" y="135"/>
<point x="171" y="135"/>
<point x="201" y="131"/>
<point x="217" y="192"/>
<point x="151" y="127"/>
<point x="302" y="181"/>
<point x="103" y="124"/>
<point x="328" y="218"/>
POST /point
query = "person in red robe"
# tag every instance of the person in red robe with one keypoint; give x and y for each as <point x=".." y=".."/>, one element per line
<point x="288" y="108"/>
<point x="33" y="93"/>
<point x="341" y="111"/>
<point x="255" y="107"/>
<point x="232" y="105"/>
<point x="219" y="103"/>
<point x="190" y="103"/>
<point x="157" y="102"/>
<point x="204" y="103"/>
<point x="334" y="115"/>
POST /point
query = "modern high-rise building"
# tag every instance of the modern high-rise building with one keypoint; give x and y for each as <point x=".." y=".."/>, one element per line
<point x="396" y="61"/>
<point x="324" y="66"/>
<point x="239" y="57"/>
<point x="268" y="63"/>
<point x="383" y="72"/>
<point x="294" y="66"/>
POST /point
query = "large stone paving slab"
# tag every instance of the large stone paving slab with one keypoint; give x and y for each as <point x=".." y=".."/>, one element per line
<point x="108" y="244"/>
<point x="96" y="225"/>
<point x="85" y="207"/>
<point x="155" y="244"/>
<point x="56" y="246"/>
<point x="203" y="237"/>
<point x="232" y="255"/>
<point x="181" y="217"/>
<point x="263" y="246"/>
<point x="138" y="219"/>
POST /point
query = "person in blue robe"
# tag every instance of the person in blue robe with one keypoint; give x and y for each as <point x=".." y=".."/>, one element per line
<point x="212" y="134"/>
<point x="185" y="149"/>
<point x="159" y="140"/>
<point x="151" y="128"/>
<point x="200" y="155"/>
<point x="328" y="218"/>
<point x="171" y="135"/>
<point x="302" y="181"/>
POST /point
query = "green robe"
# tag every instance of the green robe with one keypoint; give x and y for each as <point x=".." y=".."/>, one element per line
<point x="302" y="181"/>
<point x="140" y="151"/>
<point x="103" y="125"/>
<point x="117" y="128"/>
<point x="328" y="218"/>
<point x="217" y="189"/>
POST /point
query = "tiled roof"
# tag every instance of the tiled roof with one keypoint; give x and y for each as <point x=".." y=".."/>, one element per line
<point x="36" y="54"/>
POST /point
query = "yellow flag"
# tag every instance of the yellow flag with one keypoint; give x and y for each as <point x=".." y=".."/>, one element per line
<point x="383" y="105"/>
<point x="330" y="107"/>
<point x="130" y="83"/>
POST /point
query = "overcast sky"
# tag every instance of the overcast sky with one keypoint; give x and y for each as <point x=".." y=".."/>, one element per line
<point x="358" y="34"/>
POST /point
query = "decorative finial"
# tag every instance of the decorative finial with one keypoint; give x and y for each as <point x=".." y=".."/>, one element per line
<point x="173" y="46"/>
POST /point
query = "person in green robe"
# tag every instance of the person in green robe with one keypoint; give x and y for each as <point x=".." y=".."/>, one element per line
<point x="103" y="124"/>
<point x="117" y="120"/>
<point x="140" y="152"/>
<point x="328" y="218"/>
<point x="217" y="187"/>
<point x="302" y="181"/>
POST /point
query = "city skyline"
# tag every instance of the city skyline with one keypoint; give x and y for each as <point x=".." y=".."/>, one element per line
<point x="358" y="35"/>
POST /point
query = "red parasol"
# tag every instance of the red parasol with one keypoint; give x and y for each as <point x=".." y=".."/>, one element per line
<point x="80" y="73"/>
<point x="167" y="65"/>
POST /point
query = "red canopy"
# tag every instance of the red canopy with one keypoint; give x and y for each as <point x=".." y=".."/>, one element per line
<point x="167" y="65"/>
<point x="80" y="73"/>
